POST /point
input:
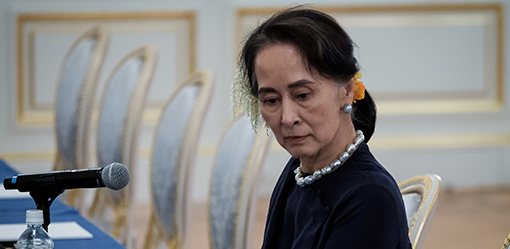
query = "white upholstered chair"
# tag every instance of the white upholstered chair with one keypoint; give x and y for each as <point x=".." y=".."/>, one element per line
<point x="506" y="244"/>
<point x="173" y="153"/>
<point x="76" y="90"/>
<point x="232" y="196"/>
<point x="120" y="117"/>
<point x="420" y="194"/>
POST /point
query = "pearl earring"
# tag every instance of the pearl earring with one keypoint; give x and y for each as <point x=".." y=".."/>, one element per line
<point x="347" y="109"/>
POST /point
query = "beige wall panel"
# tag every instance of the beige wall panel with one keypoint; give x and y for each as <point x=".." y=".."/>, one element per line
<point x="45" y="38"/>
<point x="422" y="59"/>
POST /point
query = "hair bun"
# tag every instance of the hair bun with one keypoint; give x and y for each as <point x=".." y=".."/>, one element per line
<point x="365" y="114"/>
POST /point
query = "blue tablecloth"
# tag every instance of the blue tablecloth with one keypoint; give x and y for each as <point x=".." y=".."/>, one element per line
<point x="14" y="210"/>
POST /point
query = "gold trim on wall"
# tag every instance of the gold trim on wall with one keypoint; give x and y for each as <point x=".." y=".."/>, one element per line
<point x="464" y="105"/>
<point x="24" y="18"/>
<point x="381" y="8"/>
<point x="430" y="142"/>
<point x="376" y="143"/>
<point x="35" y="156"/>
<point x="438" y="142"/>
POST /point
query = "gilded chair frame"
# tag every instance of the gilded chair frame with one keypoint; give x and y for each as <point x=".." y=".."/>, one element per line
<point x="247" y="202"/>
<point x="85" y="106"/>
<point x="87" y="94"/>
<point x="427" y="186"/>
<point x="186" y="160"/>
<point x="506" y="244"/>
<point x="130" y="136"/>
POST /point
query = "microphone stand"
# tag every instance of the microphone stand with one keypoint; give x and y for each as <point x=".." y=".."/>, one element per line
<point x="44" y="192"/>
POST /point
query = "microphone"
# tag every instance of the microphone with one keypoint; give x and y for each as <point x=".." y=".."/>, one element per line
<point x="114" y="176"/>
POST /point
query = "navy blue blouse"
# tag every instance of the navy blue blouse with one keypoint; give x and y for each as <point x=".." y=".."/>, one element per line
<point x="357" y="206"/>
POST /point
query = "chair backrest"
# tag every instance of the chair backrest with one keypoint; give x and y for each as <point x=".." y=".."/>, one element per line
<point x="173" y="153"/>
<point x="75" y="97"/>
<point x="121" y="109"/>
<point x="232" y="197"/>
<point x="506" y="244"/>
<point x="122" y="106"/>
<point x="420" y="194"/>
<point x="118" y="126"/>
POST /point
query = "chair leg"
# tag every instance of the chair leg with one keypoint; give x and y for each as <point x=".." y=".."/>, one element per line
<point x="174" y="244"/>
<point x="59" y="162"/>
<point x="72" y="197"/>
<point x="154" y="235"/>
<point x="120" y="219"/>
<point x="149" y="238"/>
<point x="97" y="206"/>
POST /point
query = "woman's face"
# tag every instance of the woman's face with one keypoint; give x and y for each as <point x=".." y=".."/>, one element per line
<point x="304" y="111"/>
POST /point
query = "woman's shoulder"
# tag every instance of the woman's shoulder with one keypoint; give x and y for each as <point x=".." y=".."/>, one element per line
<point x="369" y="178"/>
<point x="371" y="174"/>
<point x="364" y="169"/>
<point x="362" y="175"/>
<point x="366" y="191"/>
<point x="366" y="183"/>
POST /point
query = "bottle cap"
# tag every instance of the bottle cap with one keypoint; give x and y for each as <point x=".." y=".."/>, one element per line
<point x="34" y="216"/>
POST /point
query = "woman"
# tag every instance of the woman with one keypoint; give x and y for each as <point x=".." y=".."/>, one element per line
<point x="298" y="70"/>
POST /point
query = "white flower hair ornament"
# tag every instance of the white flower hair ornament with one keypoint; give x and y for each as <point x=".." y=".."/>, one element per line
<point x="242" y="96"/>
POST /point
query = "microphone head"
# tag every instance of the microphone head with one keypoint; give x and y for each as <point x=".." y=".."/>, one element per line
<point x="115" y="176"/>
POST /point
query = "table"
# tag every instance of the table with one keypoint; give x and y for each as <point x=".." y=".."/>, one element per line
<point x="14" y="211"/>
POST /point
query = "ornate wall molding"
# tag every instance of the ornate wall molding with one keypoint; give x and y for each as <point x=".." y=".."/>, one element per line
<point x="173" y="32"/>
<point x="421" y="58"/>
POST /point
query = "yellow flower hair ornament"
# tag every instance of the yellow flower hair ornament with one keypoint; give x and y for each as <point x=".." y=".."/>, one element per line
<point x="359" y="88"/>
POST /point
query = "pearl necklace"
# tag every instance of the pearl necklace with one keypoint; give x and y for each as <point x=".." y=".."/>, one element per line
<point x="318" y="174"/>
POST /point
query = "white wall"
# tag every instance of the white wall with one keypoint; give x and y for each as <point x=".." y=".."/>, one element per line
<point x="469" y="150"/>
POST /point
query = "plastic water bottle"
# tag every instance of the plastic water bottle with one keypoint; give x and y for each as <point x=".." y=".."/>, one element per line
<point x="34" y="237"/>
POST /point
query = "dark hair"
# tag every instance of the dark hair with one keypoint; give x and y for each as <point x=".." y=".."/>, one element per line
<point x="324" y="46"/>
